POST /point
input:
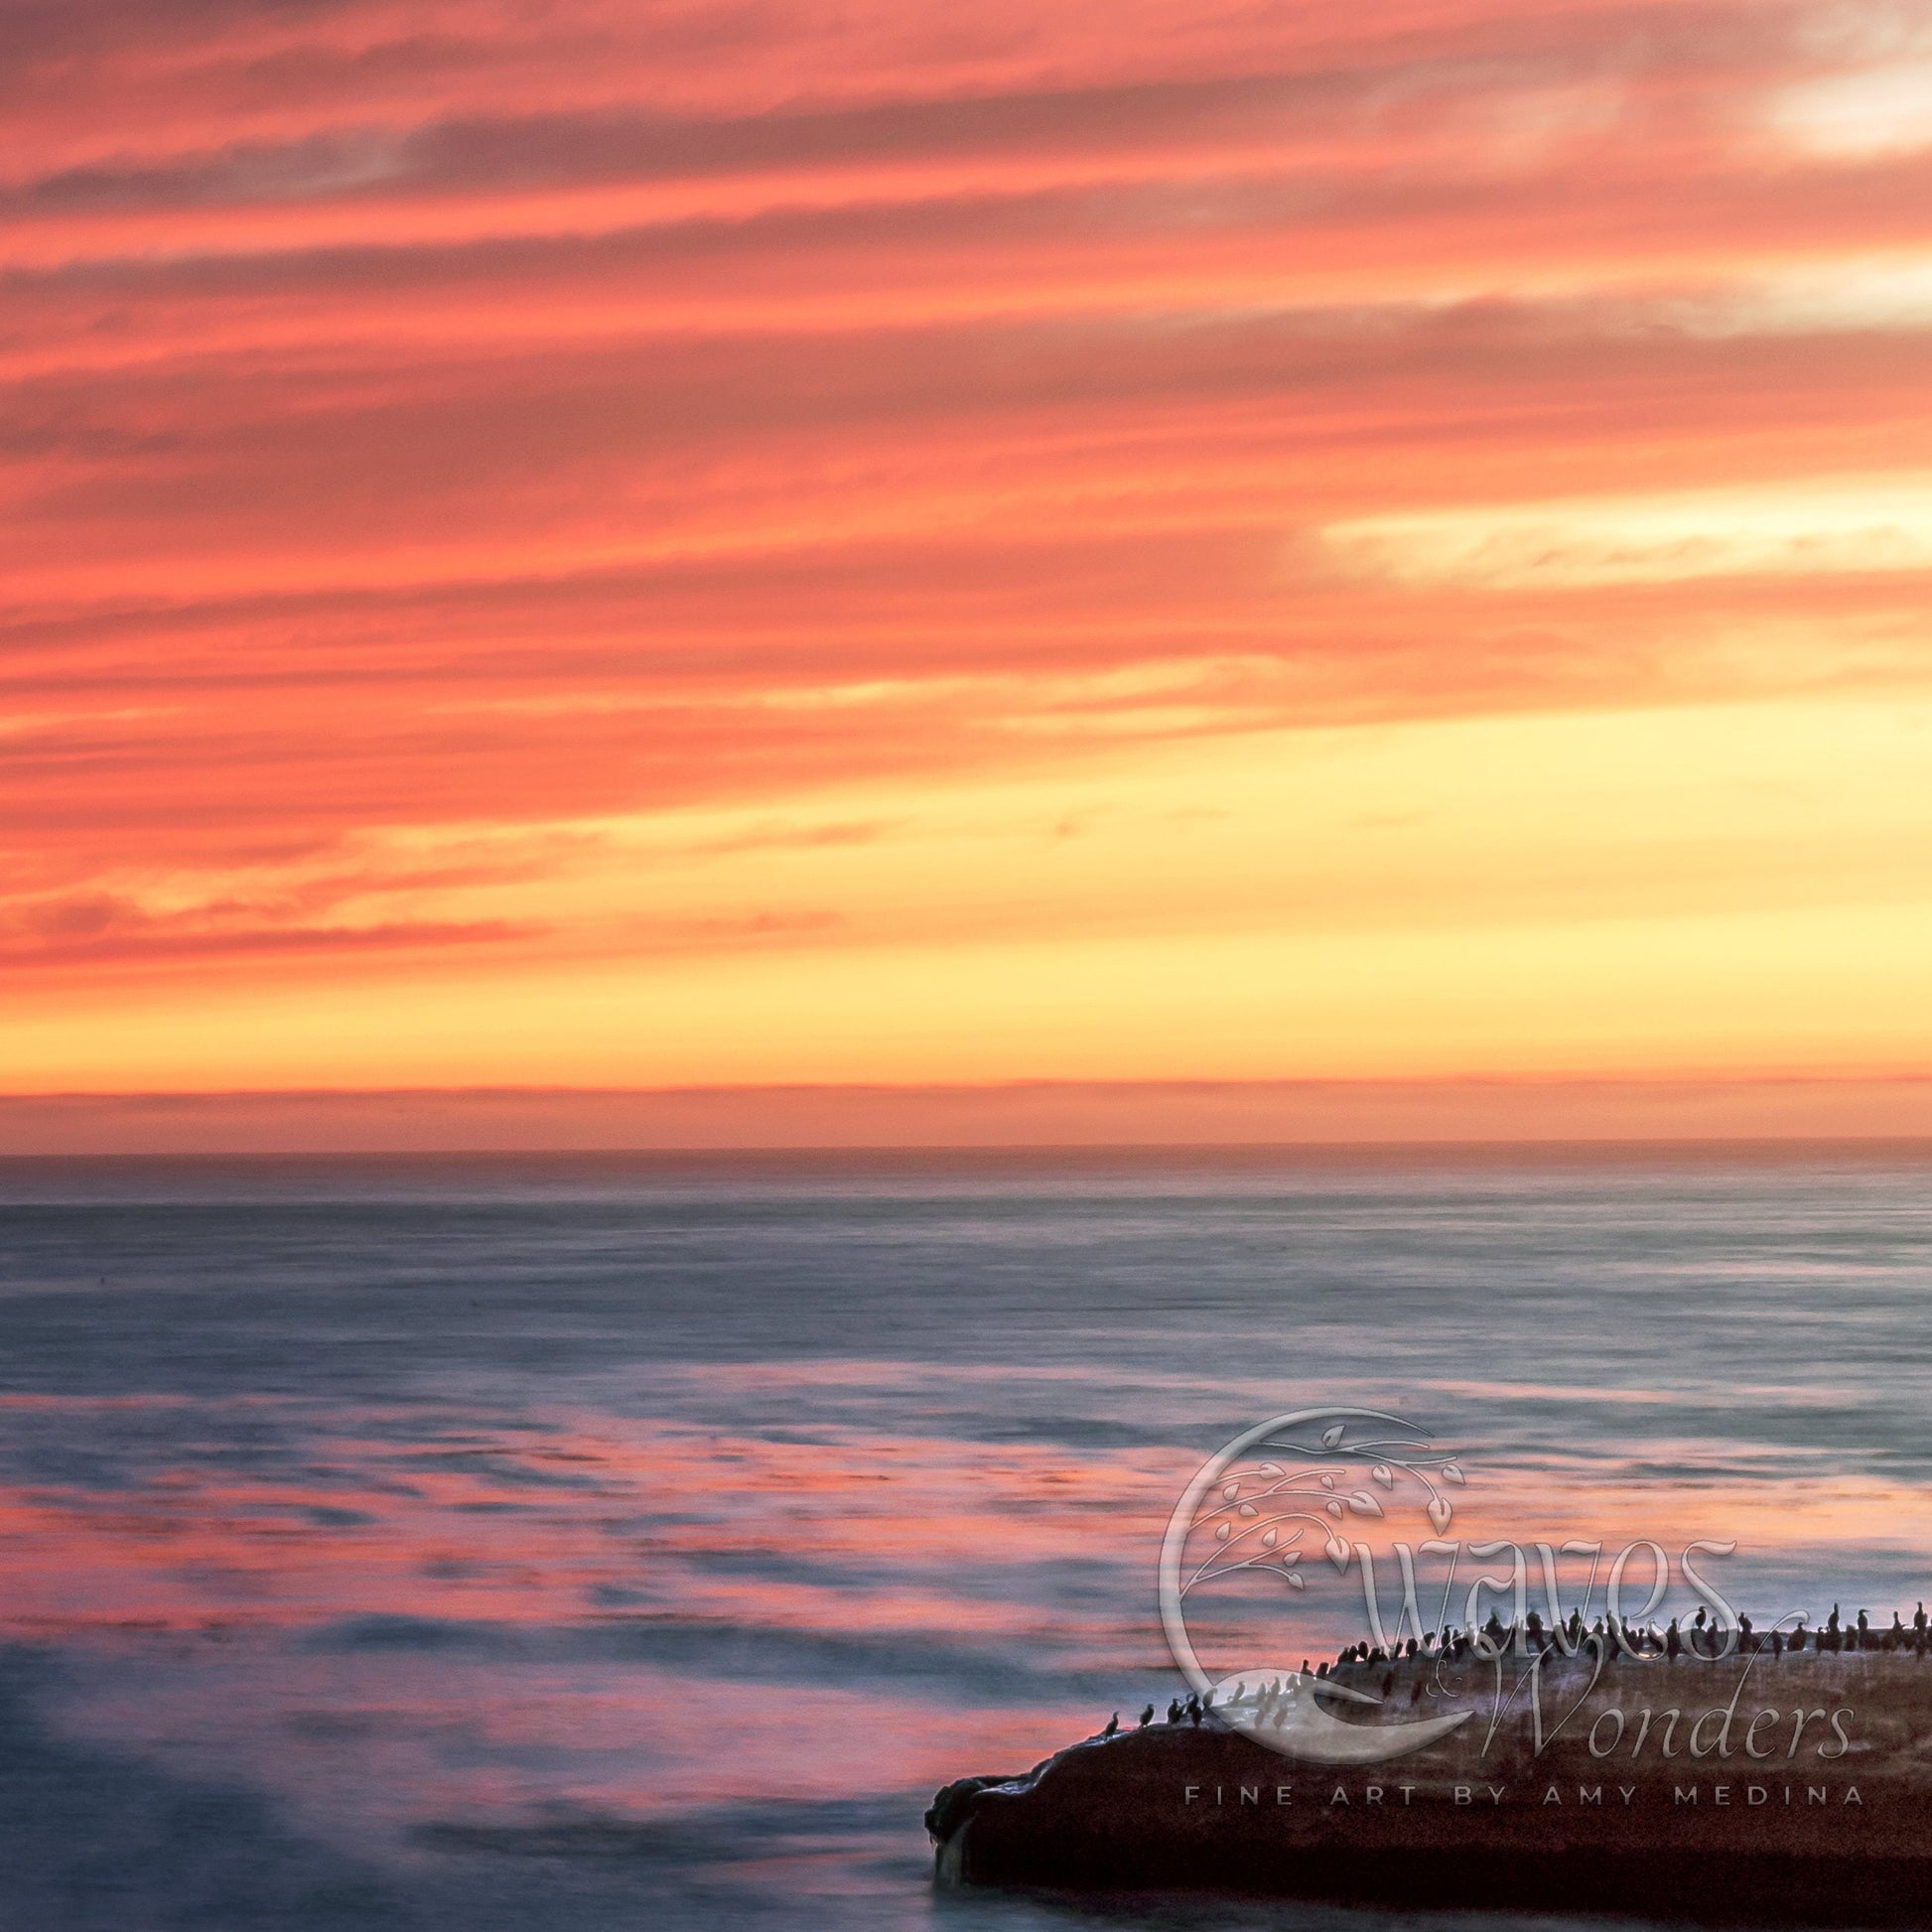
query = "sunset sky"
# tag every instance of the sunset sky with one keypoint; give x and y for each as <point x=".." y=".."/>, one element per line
<point x="607" y="545"/>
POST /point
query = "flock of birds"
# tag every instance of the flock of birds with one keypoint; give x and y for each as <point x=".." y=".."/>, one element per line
<point x="1702" y="1639"/>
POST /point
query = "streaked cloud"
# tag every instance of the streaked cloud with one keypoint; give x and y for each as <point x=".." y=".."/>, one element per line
<point x="1862" y="115"/>
<point x="1816" y="526"/>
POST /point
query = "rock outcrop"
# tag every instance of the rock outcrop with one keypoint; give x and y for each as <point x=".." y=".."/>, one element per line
<point x="1798" y="1788"/>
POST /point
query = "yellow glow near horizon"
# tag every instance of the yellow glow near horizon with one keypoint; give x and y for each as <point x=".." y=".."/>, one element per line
<point x="1700" y="888"/>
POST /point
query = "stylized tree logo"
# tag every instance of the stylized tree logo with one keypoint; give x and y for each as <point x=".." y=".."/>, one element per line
<point x="1263" y="1511"/>
<point x="1260" y="1502"/>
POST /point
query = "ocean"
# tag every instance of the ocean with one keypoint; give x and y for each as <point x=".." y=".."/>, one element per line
<point x="597" y="1542"/>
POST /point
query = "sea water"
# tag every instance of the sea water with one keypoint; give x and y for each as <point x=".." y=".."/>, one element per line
<point x="595" y="1542"/>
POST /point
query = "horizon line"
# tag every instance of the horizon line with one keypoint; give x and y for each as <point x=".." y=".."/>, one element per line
<point x="1502" y="1110"/>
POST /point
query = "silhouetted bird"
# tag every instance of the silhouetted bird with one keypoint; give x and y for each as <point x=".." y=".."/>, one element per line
<point x="1113" y="1725"/>
<point x="1146" y="1717"/>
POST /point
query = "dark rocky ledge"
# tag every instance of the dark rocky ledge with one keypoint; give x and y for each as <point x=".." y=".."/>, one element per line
<point x="1730" y="1822"/>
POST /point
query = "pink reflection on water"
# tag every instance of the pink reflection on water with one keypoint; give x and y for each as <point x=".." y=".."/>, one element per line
<point x="588" y="1517"/>
<point x="594" y="1517"/>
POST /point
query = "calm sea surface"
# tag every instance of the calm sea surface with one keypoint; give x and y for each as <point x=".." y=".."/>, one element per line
<point x="595" y="1543"/>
